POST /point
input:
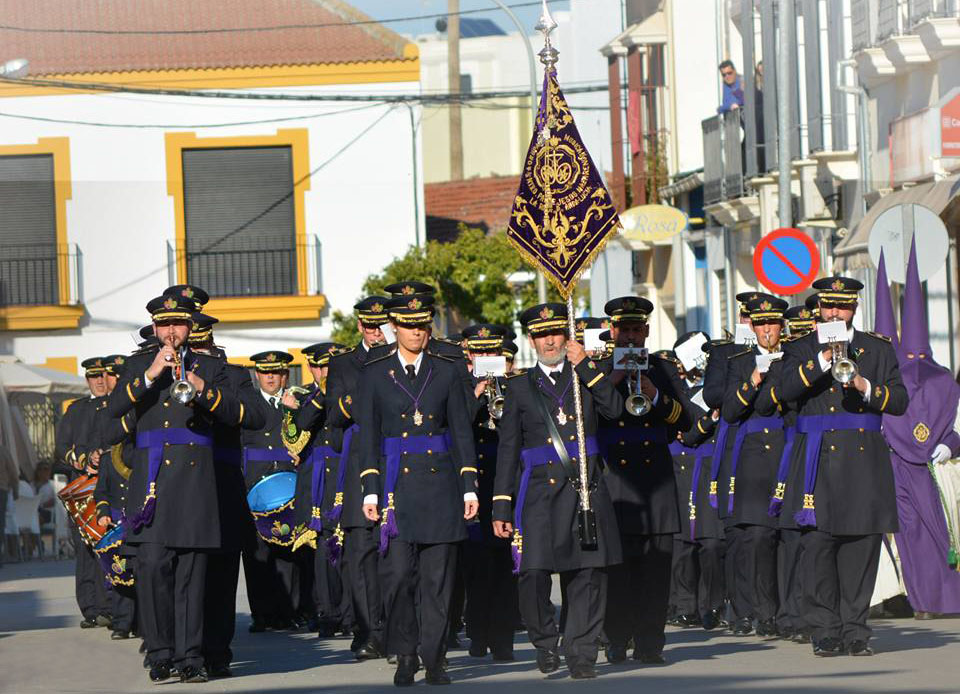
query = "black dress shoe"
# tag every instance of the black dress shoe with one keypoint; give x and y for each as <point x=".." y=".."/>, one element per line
<point x="103" y="620"/>
<point x="650" y="658"/>
<point x="257" y="626"/>
<point x="711" y="619"/>
<point x="160" y="672"/>
<point x="688" y="621"/>
<point x="192" y="673"/>
<point x="367" y="651"/>
<point x="219" y="671"/>
<point x="828" y="647"/>
<point x="580" y="670"/>
<point x="548" y="661"/>
<point x="88" y="624"/>
<point x="616" y="654"/>
<point x="766" y="627"/>
<point x="437" y="675"/>
<point x="407" y="666"/>
<point x="503" y="656"/>
<point x="477" y="649"/>
<point x="119" y="635"/>
<point x="859" y="647"/>
<point x="743" y="627"/>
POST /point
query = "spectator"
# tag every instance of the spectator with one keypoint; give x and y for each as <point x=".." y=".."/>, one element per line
<point x="732" y="88"/>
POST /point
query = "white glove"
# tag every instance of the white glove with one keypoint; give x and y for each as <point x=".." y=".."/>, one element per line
<point x="941" y="454"/>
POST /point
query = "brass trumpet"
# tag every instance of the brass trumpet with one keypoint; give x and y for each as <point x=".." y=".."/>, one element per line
<point x="494" y="402"/>
<point x="182" y="390"/>
<point x="844" y="369"/>
<point x="637" y="403"/>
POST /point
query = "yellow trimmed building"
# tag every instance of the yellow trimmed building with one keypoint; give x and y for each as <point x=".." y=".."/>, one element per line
<point x="279" y="208"/>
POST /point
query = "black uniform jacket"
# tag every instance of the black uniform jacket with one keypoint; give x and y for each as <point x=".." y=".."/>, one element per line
<point x="759" y="459"/>
<point x="76" y="435"/>
<point x="264" y="439"/>
<point x="187" y="508"/>
<point x="487" y="441"/>
<point x="430" y="486"/>
<point x="112" y="480"/>
<point x="854" y="492"/>
<point x="550" y="534"/>
<point x="698" y="432"/>
<point x="310" y="417"/>
<point x="639" y="470"/>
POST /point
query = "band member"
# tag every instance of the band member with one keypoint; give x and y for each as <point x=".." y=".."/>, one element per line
<point x="272" y="571"/>
<point x="698" y="547"/>
<point x="491" y="588"/>
<point x="77" y="453"/>
<point x="360" y="542"/>
<point x="111" y="496"/>
<point x="414" y="422"/>
<point x="318" y="485"/>
<point x="536" y="501"/>
<point x="640" y="479"/>
<point x="841" y="487"/>
<point x="173" y="485"/>
<point x="752" y="403"/>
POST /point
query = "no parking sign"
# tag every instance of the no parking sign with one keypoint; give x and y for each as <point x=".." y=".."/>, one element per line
<point x="786" y="261"/>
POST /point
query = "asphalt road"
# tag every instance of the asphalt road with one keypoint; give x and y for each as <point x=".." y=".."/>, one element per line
<point x="43" y="650"/>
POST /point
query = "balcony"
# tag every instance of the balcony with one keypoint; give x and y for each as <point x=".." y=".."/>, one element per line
<point x="724" y="193"/>
<point x="40" y="286"/>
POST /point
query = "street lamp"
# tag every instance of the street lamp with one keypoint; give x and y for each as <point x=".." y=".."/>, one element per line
<point x="15" y="69"/>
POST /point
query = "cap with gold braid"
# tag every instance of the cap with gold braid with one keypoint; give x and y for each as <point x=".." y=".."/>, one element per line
<point x="509" y="350"/>
<point x="93" y="367"/>
<point x="628" y="308"/>
<point x="838" y="291"/>
<point x="766" y="309"/>
<point x="268" y="362"/>
<point x="411" y="311"/>
<point x="319" y="354"/>
<point x="409" y="288"/>
<point x="544" y="318"/>
<point x="589" y="323"/>
<point x="202" y="329"/>
<point x="171" y="307"/>
<point x="484" y="337"/>
<point x="113" y="364"/>
<point x="372" y="311"/>
<point x="188" y="291"/>
<point x="800" y="320"/>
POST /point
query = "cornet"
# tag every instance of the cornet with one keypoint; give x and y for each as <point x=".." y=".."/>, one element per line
<point x="182" y="390"/>
<point x="637" y="402"/>
<point x="494" y="402"/>
<point x="844" y="369"/>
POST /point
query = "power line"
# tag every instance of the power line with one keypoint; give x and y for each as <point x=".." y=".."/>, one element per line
<point x="236" y="30"/>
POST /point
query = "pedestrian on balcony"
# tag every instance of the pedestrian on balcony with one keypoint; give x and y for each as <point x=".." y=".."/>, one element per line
<point x="732" y="87"/>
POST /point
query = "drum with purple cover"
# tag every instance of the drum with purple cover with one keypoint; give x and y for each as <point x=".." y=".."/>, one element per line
<point x="271" y="503"/>
<point x="113" y="563"/>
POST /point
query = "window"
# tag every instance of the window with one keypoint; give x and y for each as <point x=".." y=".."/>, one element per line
<point x="28" y="231"/>
<point x="239" y="215"/>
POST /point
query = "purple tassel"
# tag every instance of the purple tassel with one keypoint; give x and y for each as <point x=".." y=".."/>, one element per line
<point x="730" y="497"/>
<point x="805" y="517"/>
<point x="334" y="548"/>
<point x="388" y="530"/>
<point x="315" y="523"/>
<point x="145" y="515"/>
<point x="334" y="515"/>
<point x="693" y="529"/>
<point x="712" y="496"/>
<point x="775" y="507"/>
<point x="517" y="555"/>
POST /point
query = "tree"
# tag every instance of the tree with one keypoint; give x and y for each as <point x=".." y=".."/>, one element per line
<point x="471" y="276"/>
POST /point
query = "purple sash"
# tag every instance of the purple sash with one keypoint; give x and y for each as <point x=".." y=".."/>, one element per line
<point x="753" y="425"/>
<point x="318" y="456"/>
<point x="155" y="441"/>
<point x="535" y="457"/>
<point x="337" y="510"/>
<point x="814" y="426"/>
<point x="265" y="455"/>
<point x="393" y="449"/>
<point x="704" y="450"/>
<point x="776" y="501"/>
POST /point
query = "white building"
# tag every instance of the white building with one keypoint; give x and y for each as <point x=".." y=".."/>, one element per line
<point x="280" y="209"/>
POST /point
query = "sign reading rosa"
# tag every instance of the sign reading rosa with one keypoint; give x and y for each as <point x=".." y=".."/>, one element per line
<point x="652" y="222"/>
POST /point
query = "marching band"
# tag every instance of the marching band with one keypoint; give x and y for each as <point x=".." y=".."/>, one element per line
<point x="731" y="484"/>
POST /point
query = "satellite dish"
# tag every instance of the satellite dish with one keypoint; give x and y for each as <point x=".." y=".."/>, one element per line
<point x="892" y="233"/>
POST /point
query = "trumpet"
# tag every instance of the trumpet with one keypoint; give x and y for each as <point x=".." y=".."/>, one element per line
<point x="182" y="390"/>
<point x="637" y="403"/>
<point x="494" y="402"/>
<point x="844" y="369"/>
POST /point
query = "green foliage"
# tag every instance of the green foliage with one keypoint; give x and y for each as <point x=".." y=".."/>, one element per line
<point x="470" y="274"/>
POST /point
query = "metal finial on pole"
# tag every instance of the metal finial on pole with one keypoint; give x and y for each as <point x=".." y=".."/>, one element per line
<point x="548" y="54"/>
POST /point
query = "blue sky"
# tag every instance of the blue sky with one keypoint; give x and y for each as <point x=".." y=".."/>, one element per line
<point x="387" y="9"/>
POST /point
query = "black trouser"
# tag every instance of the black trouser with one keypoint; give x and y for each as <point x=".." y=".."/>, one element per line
<point x="585" y="595"/>
<point x="755" y="596"/>
<point x="273" y="586"/>
<point x="492" y="602"/>
<point x="93" y="598"/>
<point x="733" y="536"/>
<point x="361" y="573"/>
<point x="839" y="572"/>
<point x="698" y="576"/>
<point x="457" y="598"/>
<point x="124" y="604"/>
<point x="220" y="606"/>
<point x="415" y="576"/>
<point x="789" y="558"/>
<point x="170" y="592"/>
<point x="327" y="585"/>
<point x="638" y="592"/>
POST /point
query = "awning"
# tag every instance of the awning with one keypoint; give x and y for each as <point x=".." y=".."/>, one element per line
<point x="16" y="377"/>
<point x="852" y="253"/>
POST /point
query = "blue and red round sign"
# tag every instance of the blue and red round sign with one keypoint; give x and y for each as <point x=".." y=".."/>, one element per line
<point x="786" y="261"/>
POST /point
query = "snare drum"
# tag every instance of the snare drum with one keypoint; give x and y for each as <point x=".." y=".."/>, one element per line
<point x="271" y="503"/>
<point x="113" y="563"/>
<point x="77" y="498"/>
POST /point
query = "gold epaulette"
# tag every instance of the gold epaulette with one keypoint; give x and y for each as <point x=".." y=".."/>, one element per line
<point x="515" y="373"/>
<point x="293" y="439"/>
<point x="879" y="336"/>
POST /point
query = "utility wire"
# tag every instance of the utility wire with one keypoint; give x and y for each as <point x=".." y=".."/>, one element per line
<point x="237" y="30"/>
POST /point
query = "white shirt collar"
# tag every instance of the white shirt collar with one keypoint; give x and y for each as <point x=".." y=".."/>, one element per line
<point x="267" y="396"/>
<point x="551" y="370"/>
<point x="416" y="362"/>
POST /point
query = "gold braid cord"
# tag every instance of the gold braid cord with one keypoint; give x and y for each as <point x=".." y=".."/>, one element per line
<point x="294" y="439"/>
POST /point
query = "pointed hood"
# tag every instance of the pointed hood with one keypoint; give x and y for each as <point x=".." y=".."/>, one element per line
<point x="915" y="331"/>
<point x="883" y="320"/>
